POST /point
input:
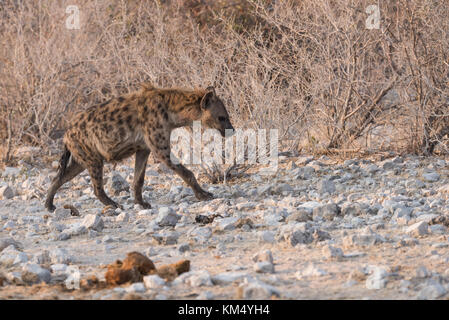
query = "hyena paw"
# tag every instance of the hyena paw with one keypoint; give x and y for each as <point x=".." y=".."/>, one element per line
<point x="204" y="195"/>
<point x="50" y="207"/>
<point x="145" y="205"/>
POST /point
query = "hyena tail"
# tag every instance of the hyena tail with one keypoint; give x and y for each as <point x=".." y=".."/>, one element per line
<point x="63" y="162"/>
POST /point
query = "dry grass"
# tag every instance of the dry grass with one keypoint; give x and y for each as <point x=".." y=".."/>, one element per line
<point x="310" y="69"/>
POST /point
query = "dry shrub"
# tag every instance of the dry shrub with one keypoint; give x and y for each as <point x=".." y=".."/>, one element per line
<point x="310" y="69"/>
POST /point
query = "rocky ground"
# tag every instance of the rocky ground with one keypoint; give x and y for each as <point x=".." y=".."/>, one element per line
<point x="319" y="229"/>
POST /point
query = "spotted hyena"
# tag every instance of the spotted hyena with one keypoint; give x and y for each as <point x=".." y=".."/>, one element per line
<point x="137" y="123"/>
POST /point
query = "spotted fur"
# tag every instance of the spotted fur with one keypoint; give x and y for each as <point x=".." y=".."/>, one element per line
<point x="137" y="123"/>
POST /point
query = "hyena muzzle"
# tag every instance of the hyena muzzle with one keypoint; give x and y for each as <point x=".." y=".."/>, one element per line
<point x="137" y="123"/>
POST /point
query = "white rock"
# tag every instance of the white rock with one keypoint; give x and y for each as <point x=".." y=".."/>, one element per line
<point x="137" y="287"/>
<point x="311" y="271"/>
<point x="432" y="291"/>
<point x="33" y="273"/>
<point x="153" y="282"/>
<point x="228" y="223"/>
<point x="42" y="257"/>
<point x="6" y="242"/>
<point x="266" y="236"/>
<point x="263" y="256"/>
<point x="58" y="268"/>
<point x="11" y="172"/>
<point x="431" y="176"/>
<point x="264" y="267"/>
<point x="93" y="221"/>
<point x="330" y="252"/>
<point x="6" y="192"/>
<point x="257" y="290"/>
<point x="228" y="277"/>
<point x="20" y="258"/>
<point x="122" y="217"/>
<point x="205" y="295"/>
<point x="195" y="278"/>
<point x="60" y="255"/>
<point x="61" y="213"/>
<point x="418" y="229"/>
<point x="167" y="217"/>
<point x="326" y="186"/>
<point x="378" y="278"/>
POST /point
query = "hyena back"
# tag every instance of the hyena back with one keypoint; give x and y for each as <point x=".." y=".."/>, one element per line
<point x="137" y="123"/>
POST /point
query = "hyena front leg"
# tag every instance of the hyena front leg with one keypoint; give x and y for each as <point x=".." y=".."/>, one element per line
<point x="184" y="173"/>
<point x="139" y="177"/>
<point x="96" y="175"/>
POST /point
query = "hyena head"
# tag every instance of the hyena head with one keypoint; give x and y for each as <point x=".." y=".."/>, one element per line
<point x="214" y="114"/>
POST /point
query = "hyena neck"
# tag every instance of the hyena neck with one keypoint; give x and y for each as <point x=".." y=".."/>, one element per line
<point x="186" y="109"/>
<point x="185" y="117"/>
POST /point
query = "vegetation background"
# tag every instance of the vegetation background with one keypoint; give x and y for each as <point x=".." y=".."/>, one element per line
<point x="309" y="68"/>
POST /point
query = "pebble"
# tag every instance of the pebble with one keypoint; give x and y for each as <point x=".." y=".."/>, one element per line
<point x="418" y="229"/>
<point x="137" y="287"/>
<point x="6" y="192"/>
<point x="153" y="282"/>
<point x="93" y="221"/>
<point x="167" y="217"/>
<point x="264" y="267"/>
<point x="258" y="290"/>
<point x="431" y="291"/>
<point x="378" y="278"/>
<point x="33" y="273"/>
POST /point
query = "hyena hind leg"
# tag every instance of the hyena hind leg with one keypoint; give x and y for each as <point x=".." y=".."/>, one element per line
<point x="70" y="172"/>
<point x="96" y="175"/>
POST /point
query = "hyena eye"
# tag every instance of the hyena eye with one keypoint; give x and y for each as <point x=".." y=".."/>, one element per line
<point x="221" y="119"/>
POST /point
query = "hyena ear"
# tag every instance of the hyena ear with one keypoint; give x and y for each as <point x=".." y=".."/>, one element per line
<point x="207" y="100"/>
<point x="210" y="89"/>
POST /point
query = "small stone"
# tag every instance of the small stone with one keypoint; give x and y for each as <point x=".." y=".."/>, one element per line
<point x="195" y="278"/>
<point x="167" y="217"/>
<point x="353" y="209"/>
<point x="33" y="273"/>
<point x="311" y="271"/>
<point x="257" y="290"/>
<point x="122" y="217"/>
<point x="137" y="287"/>
<point x="93" y="221"/>
<point x="326" y="212"/>
<point x="205" y="295"/>
<point x="58" y="268"/>
<point x="431" y="177"/>
<point x="229" y="277"/>
<point x="326" y="186"/>
<point x="264" y="267"/>
<point x="422" y="272"/>
<point x="266" y="236"/>
<point x="299" y="216"/>
<point x="166" y="238"/>
<point x="418" y="229"/>
<point x="228" y="223"/>
<point x="6" y="192"/>
<point x="184" y="247"/>
<point x="11" y="172"/>
<point x="107" y="239"/>
<point x="61" y="213"/>
<point x="377" y="279"/>
<point x="42" y="257"/>
<point x="6" y="242"/>
<point x="330" y="252"/>
<point x="118" y="184"/>
<point x="153" y="282"/>
<point x="432" y="291"/>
